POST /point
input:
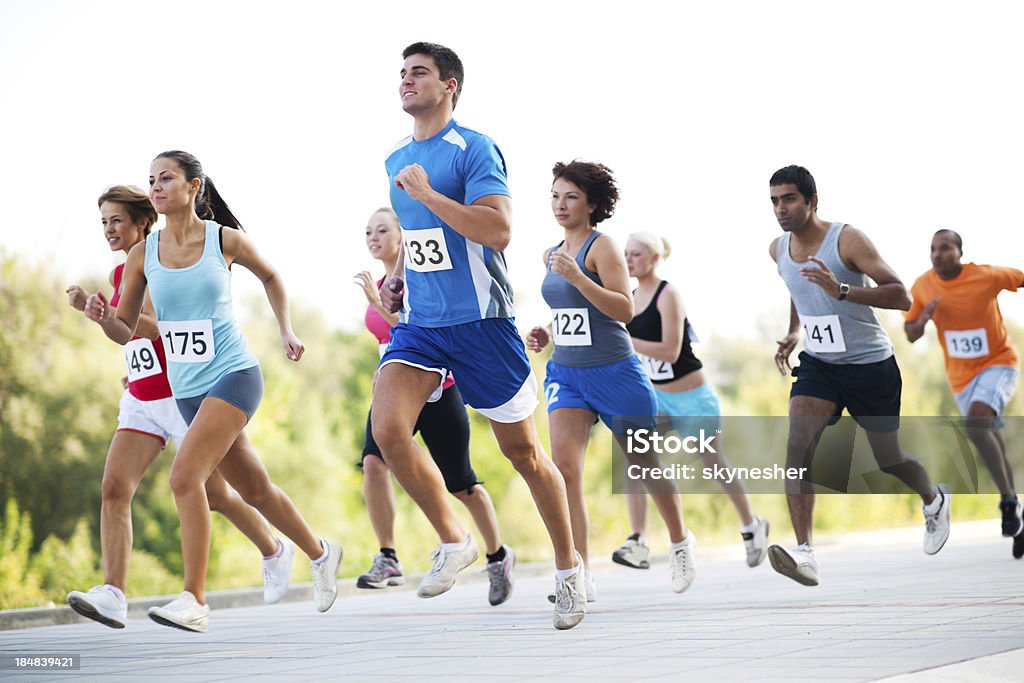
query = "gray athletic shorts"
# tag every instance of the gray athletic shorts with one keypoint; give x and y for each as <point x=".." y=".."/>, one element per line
<point x="241" y="388"/>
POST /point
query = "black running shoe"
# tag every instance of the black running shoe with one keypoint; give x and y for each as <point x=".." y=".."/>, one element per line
<point x="1012" y="522"/>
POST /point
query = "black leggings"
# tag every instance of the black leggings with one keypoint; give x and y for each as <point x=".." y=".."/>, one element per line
<point x="444" y="426"/>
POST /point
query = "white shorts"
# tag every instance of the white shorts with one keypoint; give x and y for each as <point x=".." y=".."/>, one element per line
<point x="159" y="418"/>
<point x="992" y="386"/>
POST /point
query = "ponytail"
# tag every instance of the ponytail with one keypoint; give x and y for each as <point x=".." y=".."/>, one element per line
<point x="211" y="206"/>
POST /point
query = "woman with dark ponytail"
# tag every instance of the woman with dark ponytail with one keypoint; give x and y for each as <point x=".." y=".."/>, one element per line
<point x="215" y="381"/>
<point x="147" y="420"/>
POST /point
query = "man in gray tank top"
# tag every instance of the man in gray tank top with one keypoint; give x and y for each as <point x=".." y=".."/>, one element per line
<point x="847" y="360"/>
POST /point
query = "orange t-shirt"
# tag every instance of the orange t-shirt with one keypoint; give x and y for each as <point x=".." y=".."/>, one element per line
<point x="969" y="323"/>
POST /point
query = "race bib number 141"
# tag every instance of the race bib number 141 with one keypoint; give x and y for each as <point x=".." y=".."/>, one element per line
<point x="823" y="333"/>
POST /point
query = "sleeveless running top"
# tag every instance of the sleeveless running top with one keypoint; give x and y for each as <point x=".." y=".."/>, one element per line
<point x="839" y="332"/>
<point x="582" y="334"/>
<point x="380" y="329"/>
<point x="144" y="358"/>
<point x="201" y="337"/>
<point x="647" y="325"/>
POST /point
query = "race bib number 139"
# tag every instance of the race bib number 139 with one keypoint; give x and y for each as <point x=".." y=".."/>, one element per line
<point x="967" y="343"/>
<point x="823" y="333"/>
<point x="187" y="341"/>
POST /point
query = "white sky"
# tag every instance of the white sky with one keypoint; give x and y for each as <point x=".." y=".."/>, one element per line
<point x="905" y="112"/>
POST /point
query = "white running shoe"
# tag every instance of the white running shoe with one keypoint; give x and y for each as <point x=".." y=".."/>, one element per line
<point x="102" y="604"/>
<point x="277" y="573"/>
<point x="447" y="565"/>
<point x="799" y="564"/>
<point x="570" y="598"/>
<point x="756" y="542"/>
<point x="633" y="553"/>
<point x="936" y="524"/>
<point x="682" y="561"/>
<point x="325" y="577"/>
<point x="589" y="588"/>
<point x="183" y="612"/>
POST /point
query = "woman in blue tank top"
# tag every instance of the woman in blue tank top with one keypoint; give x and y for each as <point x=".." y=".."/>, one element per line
<point x="663" y="336"/>
<point x="214" y="379"/>
<point x="594" y="371"/>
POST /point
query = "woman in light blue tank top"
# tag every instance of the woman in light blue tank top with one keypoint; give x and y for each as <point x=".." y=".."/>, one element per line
<point x="594" y="371"/>
<point x="215" y="380"/>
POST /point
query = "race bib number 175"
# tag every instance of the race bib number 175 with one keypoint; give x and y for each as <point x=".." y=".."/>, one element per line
<point x="187" y="341"/>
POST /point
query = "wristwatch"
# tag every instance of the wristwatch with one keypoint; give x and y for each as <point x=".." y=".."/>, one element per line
<point x="844" y="291"/>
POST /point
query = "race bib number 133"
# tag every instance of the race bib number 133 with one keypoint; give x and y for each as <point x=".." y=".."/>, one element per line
<point x="426" y="250"/>
<point x="187" y="341"/>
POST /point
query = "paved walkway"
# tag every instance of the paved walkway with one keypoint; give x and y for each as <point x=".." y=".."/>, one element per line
<point x="883" y="609"/>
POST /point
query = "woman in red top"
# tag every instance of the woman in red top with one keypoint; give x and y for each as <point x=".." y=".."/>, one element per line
<point x="444" y="426"/>
<point x="148" y="418"/>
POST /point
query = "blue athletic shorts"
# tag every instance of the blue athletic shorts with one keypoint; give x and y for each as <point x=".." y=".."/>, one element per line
<point x="241" y="388"/>
<point x="620" y="393"/>
<point x="691" y="411"/>
<point x="487" y="358"/>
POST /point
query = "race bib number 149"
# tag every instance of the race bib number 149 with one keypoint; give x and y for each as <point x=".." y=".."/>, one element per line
<point x="187" y="341"/>
<point x="141" y="359"/>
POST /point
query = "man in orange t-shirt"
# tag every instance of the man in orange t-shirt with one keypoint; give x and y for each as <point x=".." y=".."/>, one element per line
<point x="981" y="363"/>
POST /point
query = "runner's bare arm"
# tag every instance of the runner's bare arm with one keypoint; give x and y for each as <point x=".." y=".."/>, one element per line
<point x="239" y="249"/>
<point x="787" y="344"/>
<point x="487" y="221"/>
<point x="612" y="297"/>
<point x="858" y="253"/>
<point x="120" y="325"/>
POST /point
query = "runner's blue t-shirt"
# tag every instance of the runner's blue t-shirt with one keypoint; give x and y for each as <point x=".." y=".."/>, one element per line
<point x="450" y="280"/>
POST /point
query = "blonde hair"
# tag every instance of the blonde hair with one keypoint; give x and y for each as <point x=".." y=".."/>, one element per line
<point x="389" y="211"/>
<point x="658" y="246"/>
<point x="136" y="203"/>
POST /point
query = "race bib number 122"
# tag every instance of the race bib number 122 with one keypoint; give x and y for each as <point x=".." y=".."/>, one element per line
<point x="571" y="326"/>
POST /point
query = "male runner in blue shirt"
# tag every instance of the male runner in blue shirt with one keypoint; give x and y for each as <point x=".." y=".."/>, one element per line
<point x="449" y="189"/>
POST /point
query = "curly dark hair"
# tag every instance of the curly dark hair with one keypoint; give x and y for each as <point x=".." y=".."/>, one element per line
<point x="596" y="180"/>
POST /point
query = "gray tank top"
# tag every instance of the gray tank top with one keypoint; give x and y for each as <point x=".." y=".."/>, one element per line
<point x="834" y="331"/>
<point x="583" y="335"/>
